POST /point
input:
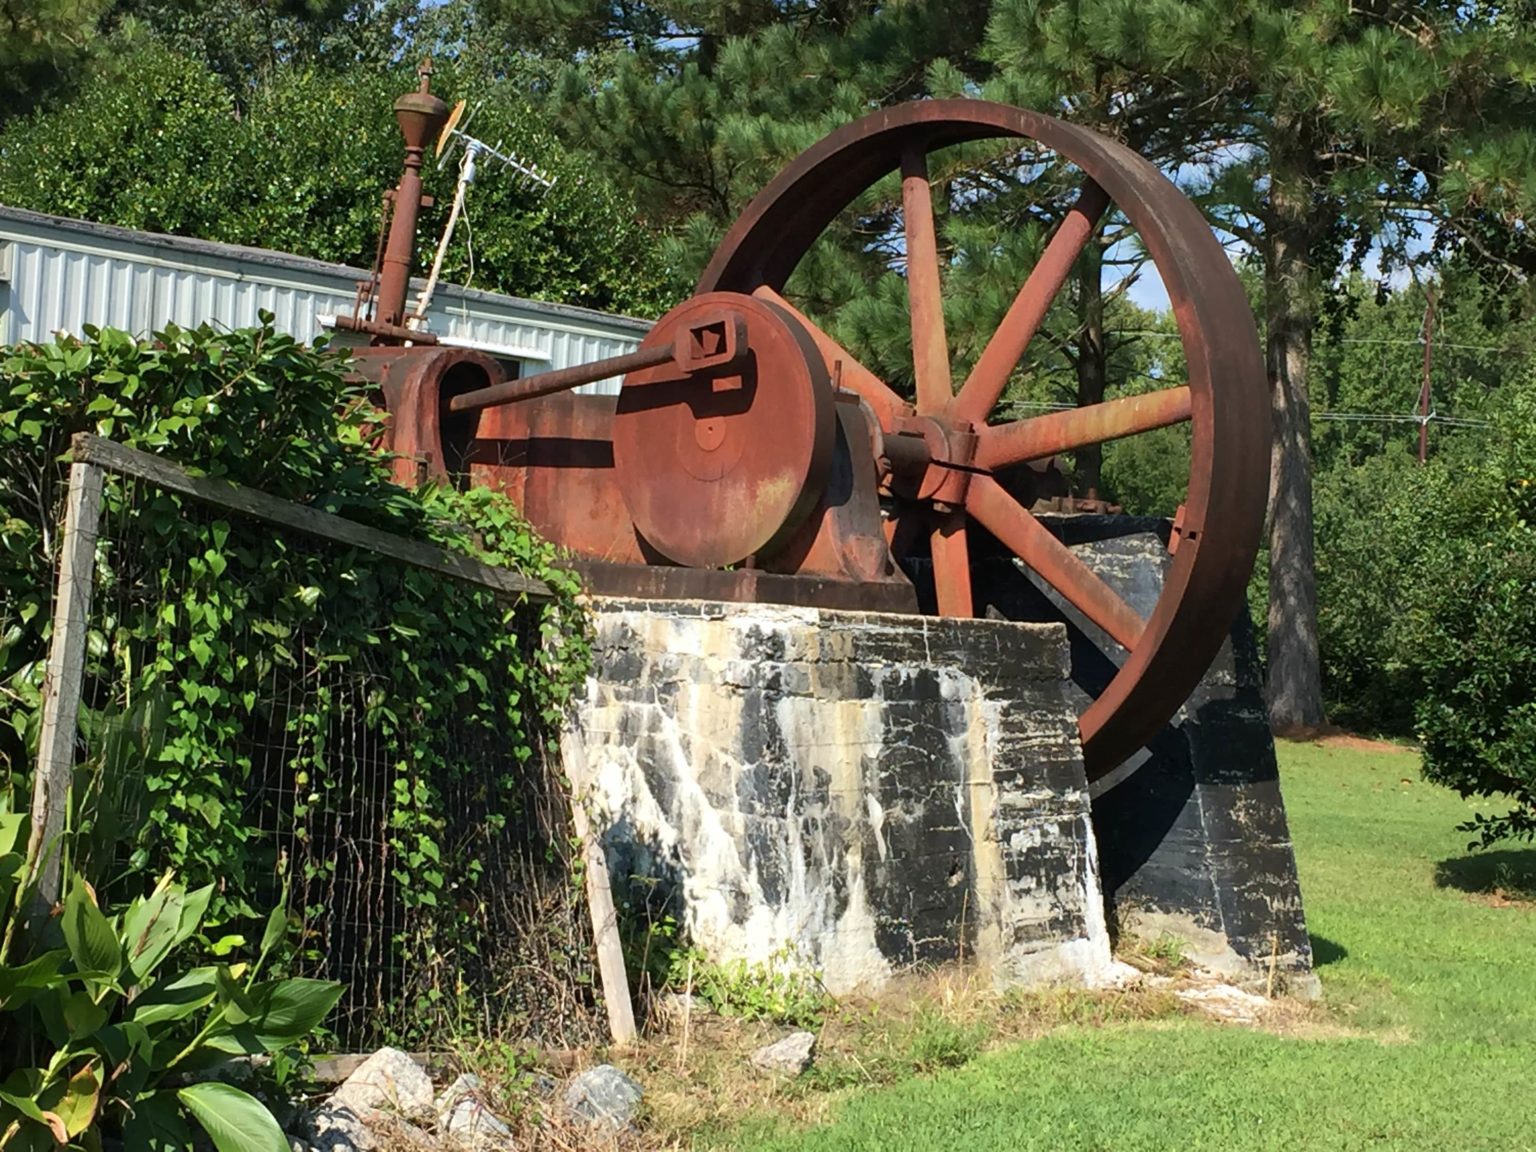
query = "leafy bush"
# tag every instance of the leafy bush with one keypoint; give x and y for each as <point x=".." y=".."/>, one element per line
<point x="782" y="988"/>
<point x="1382" y="532"/>
<point x="1427" y="608"/>
<point x="103" y="1040"/>
<point x="158" y="143"/>
<point x="1477" y="719"/>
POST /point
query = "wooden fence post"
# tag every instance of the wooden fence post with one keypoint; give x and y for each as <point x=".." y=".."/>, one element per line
<point x="605" y="917"/>
<point x="61" y="687"/>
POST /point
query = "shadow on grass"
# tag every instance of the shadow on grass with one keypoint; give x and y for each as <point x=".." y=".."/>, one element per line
<point x="1507" y="875"/>
<point x="1326" y="951"/>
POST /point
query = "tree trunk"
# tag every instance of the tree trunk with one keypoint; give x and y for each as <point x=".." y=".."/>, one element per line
<point x="1294" y="685"/>
<point x="1091" y="364"/>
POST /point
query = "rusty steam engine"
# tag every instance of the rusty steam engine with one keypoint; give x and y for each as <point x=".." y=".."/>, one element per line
<point x="749" y="457"/>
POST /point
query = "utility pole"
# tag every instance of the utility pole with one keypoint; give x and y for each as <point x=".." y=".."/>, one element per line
<point x="1426" y="337"/>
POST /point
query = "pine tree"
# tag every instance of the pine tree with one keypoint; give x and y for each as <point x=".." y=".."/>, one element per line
<point x="41" y="43"/>
<point x="1334" y="122"/>
<point x="710" y="98"/>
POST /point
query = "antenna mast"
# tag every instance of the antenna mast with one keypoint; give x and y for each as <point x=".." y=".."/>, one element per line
<point x="473" y="150"/>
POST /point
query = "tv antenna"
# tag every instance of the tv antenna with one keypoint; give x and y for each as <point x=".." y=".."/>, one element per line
<point x="474" y="150"/>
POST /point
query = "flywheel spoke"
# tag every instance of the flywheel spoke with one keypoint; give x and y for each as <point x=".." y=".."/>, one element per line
<point x="930" y="346"/>
<point x="1003" y="516"/>
<point x="952" y="566"/>
<point x="1043" y="436"/>
<point x="984" y="386"/>
<point x="853" y="376"/>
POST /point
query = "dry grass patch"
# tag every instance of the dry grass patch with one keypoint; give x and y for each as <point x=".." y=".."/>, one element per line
<point x="700" y="1084"/>
<point x="699" y="1079"/>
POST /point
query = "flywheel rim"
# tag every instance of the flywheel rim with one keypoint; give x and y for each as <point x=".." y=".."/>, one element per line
<point x="1225" y="505"/>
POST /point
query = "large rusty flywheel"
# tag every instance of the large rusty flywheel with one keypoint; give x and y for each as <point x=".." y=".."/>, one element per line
<point x="750" y="457"/>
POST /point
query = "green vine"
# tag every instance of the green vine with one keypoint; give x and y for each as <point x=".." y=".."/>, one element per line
<point x="270" y="682"/>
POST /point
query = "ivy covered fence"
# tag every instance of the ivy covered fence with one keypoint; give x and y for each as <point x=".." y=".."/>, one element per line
<point x="299" y="721"/>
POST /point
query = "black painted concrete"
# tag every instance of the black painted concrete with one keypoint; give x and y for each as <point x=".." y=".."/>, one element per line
<point x="1192" y="832"/>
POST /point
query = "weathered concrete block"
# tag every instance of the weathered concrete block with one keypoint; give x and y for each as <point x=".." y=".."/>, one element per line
<point x="869" y="790"/>
<point x="1192" y="835"/>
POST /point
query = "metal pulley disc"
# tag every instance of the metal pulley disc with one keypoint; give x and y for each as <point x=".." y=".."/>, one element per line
<point x="721" y="453"/>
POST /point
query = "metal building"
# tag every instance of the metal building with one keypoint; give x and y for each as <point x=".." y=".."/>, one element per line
<point x="58" y="275"/>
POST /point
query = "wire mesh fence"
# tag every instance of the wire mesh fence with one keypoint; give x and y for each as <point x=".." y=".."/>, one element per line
<point x="253" y="717"/>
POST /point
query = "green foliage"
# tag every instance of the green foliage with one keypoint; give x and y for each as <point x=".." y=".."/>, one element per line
<point x="215" y="632"/>
<point x="706" y="101"/>
<point x="243" y="41"/>
<point x="1427" y="576"/>
<point x="49" y="49"/>
<point x="104" y="1034"/>
<point x="41" y="43"/>
<point x="161" y="143"/>
<point x="1383" y="529"/>
<point x="650" y="935"/>
<point x="1370" y="358"/>
<point x="1477" y="717"/>
<point x="1166" y="951"/>
<point x="151" y="148"/>
<point x="782" y="989"/>
<point x="1391" y="534"/>
<point x="936" y="1041"/>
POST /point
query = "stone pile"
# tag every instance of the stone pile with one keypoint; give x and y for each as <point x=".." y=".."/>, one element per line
<point x="389" y="1105"/>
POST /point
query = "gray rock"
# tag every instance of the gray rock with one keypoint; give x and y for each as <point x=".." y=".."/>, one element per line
<point x="605" y="1096"/>
<point x="463" y="1115"/>
<point x="468" y="1084"/>
<point x="790" y="1056"/>
<point x="337" y="1128"/>
<point x="474" y="1125"/>
<point x="388" y="1080"/>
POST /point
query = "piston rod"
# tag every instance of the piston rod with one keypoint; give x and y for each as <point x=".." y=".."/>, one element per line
<point x="560" y="380"/>
<point x="714" y="343"/>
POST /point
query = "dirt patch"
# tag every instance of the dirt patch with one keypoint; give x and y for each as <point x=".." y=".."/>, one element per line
<point x="1360" y="744"/>
<point x="1327" y="736"/>
<point x="1499" y="898"/>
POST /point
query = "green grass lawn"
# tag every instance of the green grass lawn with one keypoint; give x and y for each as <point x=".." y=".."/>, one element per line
<point x="1428" y="1040"/>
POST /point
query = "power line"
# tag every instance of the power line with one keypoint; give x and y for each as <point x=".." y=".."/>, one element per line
<point x="1415" y="343"/>
<point x="1400" y="418"/>
<point x="1360" y="417"/>
<point x="1419" y="343"/>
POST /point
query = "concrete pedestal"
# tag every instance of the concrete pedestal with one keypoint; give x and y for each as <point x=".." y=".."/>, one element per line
<point x="1192" y="833"/>
<point x="865" y="791"/>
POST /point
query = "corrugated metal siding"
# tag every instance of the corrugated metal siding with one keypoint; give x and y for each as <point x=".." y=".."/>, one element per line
<point x="64" y="275"/>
